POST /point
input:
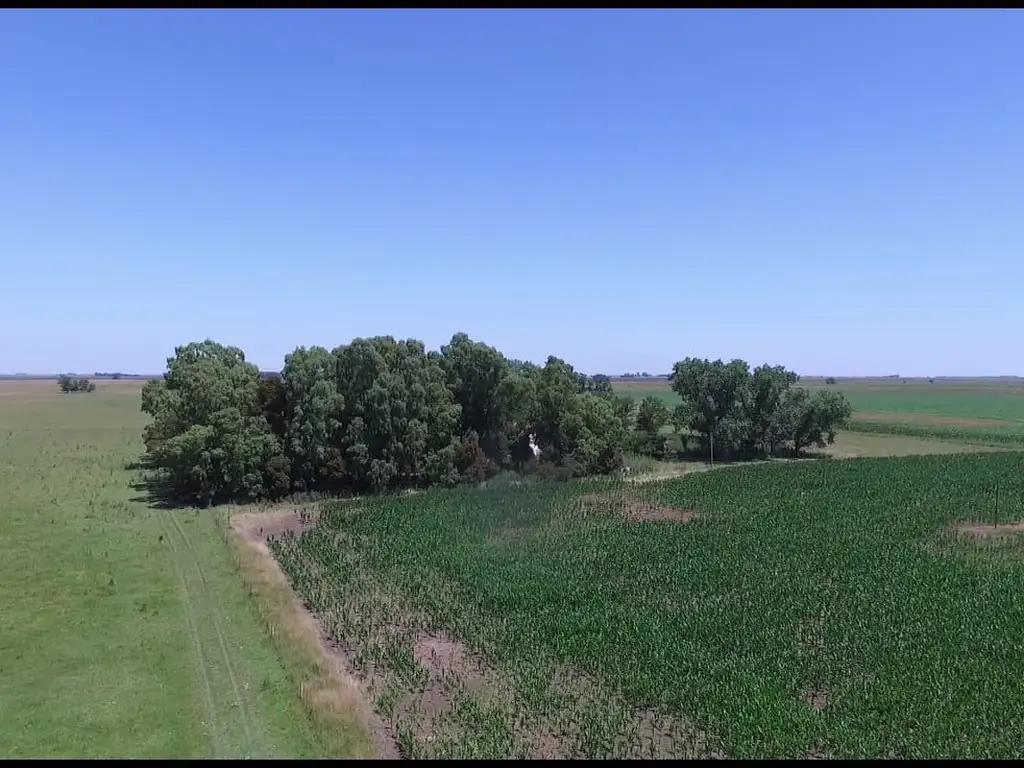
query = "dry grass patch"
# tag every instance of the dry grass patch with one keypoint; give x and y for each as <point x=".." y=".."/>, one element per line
<point x="322" y="669"/>
<point x="817" y="696"/>
<point x="983" y="531"/>
<point x="256" y="527"/>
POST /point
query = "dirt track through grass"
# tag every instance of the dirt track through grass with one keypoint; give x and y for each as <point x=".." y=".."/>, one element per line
<point x="125" y="631"/>
<point x="228" y="721"/>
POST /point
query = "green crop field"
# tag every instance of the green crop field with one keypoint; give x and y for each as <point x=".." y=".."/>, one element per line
<point x="962" y="404"/>
<point x="815" y="609"/>
<point x="125" y="631"/>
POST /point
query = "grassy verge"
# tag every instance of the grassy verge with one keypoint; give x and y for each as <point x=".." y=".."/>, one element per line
<point x="332" y="699"/>
<point x="124" y="631"/>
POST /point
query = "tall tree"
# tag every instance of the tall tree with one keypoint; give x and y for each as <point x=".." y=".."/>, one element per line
<point x="399" y="416"/>
<point x="313" y="412"/>
<point x="557" y="386"/>
<point x="476" y="374"/>
<point x="593" y="435"/>
<point x="806" y="420"/>
<point x="519" y="393"/>
<point x="710" y="391"/>
<point x="599" y="384"/>
<point x="68" y="384"/>
<point x="760" y="401"/>
<point x="651" y="416"/>
<point x="209" y="434"/>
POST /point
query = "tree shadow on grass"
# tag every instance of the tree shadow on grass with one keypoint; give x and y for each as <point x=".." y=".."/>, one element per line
<point x="691" y="455"/>
<point x="152" y="487"/>
<point x="683" y="449"/>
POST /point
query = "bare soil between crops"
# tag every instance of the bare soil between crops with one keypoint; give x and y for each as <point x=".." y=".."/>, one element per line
<point x="989" y="531"/>
<point x="817" y="696"/>
<point x="452" y="669"/>
<point x="639" y="510"/>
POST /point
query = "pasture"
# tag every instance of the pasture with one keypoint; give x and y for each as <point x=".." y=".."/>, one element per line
<point x="125" y="631"/>
<point x="527" y="620"/>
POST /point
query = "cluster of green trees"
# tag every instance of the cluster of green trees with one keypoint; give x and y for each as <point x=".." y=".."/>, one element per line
<point x="379" y="414"/>
<point x="70" y="384"/>
<point x="739" y="413"/>
<point x="373" y="415"/>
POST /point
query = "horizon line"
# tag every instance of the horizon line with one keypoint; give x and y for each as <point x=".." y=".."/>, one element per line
<point x="614" y="377"/>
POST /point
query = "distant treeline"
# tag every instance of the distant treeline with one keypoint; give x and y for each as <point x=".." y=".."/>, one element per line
<point x="379" y="414"/>
<point x="645" y="375"/>
<point x="117" y="376"/>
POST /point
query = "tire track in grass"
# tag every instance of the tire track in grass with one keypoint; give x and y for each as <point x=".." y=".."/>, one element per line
<point x="212" y="719"/>
<point x="225" y="655"/>
<point x="232" y="731"/>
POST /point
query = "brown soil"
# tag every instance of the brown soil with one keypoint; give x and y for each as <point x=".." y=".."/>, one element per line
<point x="655" y="735"/>
<point x="817" y="696"/>
<point x="929" y="419"/>
<point x="639" y="510"/>
<point x="817" y="753"/>
<point x="810" y="635"/>
<point x="451" y="668"/>
<point x="989" y="531"/>
<point x="442" y="656"/>
<point x="257" y="527"/>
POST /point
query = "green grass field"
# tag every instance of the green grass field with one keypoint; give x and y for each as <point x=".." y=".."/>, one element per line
<point x="130" y="631"/>
<point x="124" y="631"/>
<point x="821" y="608"/>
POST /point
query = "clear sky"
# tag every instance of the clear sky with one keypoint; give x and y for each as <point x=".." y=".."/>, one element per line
<point x="838" y="192"/>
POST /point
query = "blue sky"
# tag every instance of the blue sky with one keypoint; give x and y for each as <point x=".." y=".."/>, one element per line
<point x="839" y="192"/>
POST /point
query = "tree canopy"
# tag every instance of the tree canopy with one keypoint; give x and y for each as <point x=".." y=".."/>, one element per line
<point x="373" y="415"/>
<point x="380" y="414"/>
<point x="748" y="414"/>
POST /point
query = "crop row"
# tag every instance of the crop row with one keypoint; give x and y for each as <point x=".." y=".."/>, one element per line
<point x="1009" y="436"/>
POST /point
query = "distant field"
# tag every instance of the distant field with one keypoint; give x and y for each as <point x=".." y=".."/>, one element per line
<point x="985" y="410"/>
<point x="820" y="609"/>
